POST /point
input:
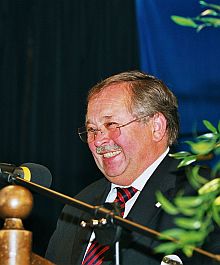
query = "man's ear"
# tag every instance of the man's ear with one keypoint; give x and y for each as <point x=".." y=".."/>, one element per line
<point x="159" y="126"/>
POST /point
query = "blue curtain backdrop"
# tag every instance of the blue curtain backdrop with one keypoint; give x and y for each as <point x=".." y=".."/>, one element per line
<point x="187" y="61"/>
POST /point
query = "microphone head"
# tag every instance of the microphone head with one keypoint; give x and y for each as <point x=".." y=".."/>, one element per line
<point x="171" y="259"/>
<point x="39" y="174"/>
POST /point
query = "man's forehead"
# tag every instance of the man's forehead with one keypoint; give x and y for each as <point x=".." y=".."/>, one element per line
<point x="109" y="102"/>
<point x="114" y="94"/>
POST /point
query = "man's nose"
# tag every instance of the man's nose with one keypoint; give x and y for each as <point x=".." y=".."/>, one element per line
<point x="101" y="137"/>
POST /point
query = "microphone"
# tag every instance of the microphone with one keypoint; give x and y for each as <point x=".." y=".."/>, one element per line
<point x="171" y="260"/>
<point x="29" y="171"/>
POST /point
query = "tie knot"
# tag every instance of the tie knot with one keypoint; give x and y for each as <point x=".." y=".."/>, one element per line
<point x="125" y="194"/>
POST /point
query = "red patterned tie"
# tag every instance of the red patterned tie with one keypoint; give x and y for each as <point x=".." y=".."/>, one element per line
<point x="96" y="252"/>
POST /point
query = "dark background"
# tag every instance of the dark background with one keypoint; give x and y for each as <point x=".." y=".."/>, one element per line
<point x="53" y="51"/>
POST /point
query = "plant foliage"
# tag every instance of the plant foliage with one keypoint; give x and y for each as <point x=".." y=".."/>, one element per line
<point x="210" y="17"/>
<point x="195" y="216"/>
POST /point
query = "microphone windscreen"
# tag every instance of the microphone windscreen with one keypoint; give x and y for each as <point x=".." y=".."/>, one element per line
<point x="39" y="174"/>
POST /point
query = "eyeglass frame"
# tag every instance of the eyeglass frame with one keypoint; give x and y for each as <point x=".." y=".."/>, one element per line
<point x="99" y="130"/>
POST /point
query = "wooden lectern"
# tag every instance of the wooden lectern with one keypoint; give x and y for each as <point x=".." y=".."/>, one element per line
<point x="16" y="203"/>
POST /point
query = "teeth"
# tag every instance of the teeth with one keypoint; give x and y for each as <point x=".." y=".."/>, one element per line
<point x="111" y="154"/>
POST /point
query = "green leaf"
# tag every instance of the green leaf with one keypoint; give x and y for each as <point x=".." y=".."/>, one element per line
<point x="180" y="155"/>
<point x="209" y="126"/>
<point x="187" y="161"/>
<point x="201" y="147"/>
<point x="188" y="211"/>
<point x="194" y="178"/>
<point x="166" y="205"/>
<point x="217" y="7"/>
<point x="200" y="27"/>
<point x="210" y="12"/>
<point x="190" y="201"/>
<point x="183" y="21"/>
<point x="217" y="201"/>
<point x="166" y="248"/>
<point x="211" y="186"/>
<point x="216" y="210"/>
<point x="193" y="237"/>
<point x="188" y="251"/>
<point x="219" y="126"/>
<point x="175" y="233"/>
<point x="195" y="172"/>
<point x="187" y="223"/>
<point x="184" y="237"/>
<point x="207" y="136"/>
<point x="215" y="22"/>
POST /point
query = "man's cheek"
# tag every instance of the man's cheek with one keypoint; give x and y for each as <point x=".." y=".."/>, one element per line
<point x="92" y="148"/>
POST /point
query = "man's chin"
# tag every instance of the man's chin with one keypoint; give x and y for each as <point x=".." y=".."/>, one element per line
<point x="119" y="180"/>
<point x="113" y="172"/>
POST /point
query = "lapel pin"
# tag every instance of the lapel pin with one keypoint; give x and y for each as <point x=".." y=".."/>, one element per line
<point x="158" y="204"/>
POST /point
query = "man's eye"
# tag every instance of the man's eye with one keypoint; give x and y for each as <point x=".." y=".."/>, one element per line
<point x="111" y="125"/>
<point x="91" y="130"/>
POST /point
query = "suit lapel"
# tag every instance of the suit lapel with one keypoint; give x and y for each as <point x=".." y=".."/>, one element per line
<point x="145" y="211"/>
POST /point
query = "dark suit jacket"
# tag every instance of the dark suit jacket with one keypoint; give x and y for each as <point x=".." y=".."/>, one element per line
<point x="69" y="241"/>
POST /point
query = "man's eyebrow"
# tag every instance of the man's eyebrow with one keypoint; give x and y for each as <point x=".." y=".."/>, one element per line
<point x="107" y="117"/>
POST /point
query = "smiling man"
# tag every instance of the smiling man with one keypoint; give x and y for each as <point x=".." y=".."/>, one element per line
<point x="131" y="122"/>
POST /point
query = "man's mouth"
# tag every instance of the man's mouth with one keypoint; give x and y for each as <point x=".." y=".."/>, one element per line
<point x="111" y="154"/>
<point x="108" y="151"/>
